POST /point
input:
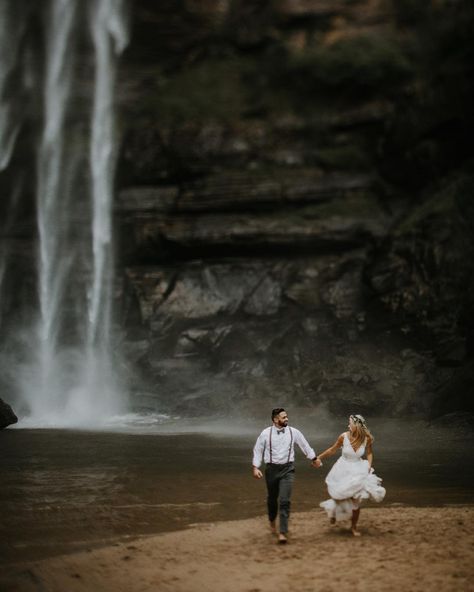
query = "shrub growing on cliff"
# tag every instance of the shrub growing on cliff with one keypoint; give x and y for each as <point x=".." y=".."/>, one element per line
<point x="357" y="67"/>
<point x="430" y="133"/>
<point x="411" y="12"/>
<point x="209" y="90"/>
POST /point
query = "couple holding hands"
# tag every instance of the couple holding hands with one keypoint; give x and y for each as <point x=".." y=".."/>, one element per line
<point x="350" y="481"/>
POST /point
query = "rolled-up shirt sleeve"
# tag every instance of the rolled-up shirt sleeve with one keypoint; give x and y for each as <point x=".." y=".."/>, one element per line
<point x="304" y="446"/>
<point x="258" y="450"/>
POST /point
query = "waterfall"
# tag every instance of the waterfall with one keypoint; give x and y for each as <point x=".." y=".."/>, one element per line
<point x="11" y="32"/>
<point x="55" y="257"/>
<point x="11" y="29"/>
<point x="70" y="377"/>
<point x="109" y="36"/>
<point x="100" y="391"/>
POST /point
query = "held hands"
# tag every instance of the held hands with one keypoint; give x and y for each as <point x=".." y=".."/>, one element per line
<point x="257" y="473"/>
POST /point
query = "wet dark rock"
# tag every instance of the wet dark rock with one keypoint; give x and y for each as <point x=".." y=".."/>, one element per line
<point x="249" y="332"/>
<point x="187" y="150"/>
<point x="262" y="230"/>
<point x="7" y="416"/>
<point x="345" y="295"/>
<point x="147" y="198"/>
<point x="426" y="270"/>
<point x="198" y="290"/>
<point x="336" y="224"/>
<point x="246" y="191"/>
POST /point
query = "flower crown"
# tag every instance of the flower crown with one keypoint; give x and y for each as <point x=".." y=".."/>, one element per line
<point x="359" y="419"/>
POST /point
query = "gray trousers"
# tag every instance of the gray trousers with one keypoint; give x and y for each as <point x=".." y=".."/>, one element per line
<point x="279" y="479"/>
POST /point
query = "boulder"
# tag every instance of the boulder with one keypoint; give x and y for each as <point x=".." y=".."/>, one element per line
<point x="7" y="417"/>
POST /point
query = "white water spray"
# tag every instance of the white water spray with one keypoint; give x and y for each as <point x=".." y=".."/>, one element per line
<point x="73" y="382"/>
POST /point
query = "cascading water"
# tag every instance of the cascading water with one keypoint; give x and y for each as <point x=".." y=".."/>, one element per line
<point x="70" y="377"/>
<point x="11" y="28"/>
<point x="99" y="392"/>
<point x="55" y="256"/>
<point x="11" y="32"/>
<point x="108" y="28"/>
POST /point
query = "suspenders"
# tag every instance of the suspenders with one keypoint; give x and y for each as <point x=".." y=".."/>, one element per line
<point x="289" y="449"/>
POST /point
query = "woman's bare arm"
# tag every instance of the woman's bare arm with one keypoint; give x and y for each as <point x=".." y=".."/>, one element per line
<point x="369" y="453"/>
<point x="332" y="449"/>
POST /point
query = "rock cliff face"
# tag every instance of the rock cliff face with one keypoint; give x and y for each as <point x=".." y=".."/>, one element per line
<point x="282" y="240"/>
<point x="293" y="205"/>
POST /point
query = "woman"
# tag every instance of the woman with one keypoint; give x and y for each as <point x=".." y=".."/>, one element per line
<point x="351" y="479"/>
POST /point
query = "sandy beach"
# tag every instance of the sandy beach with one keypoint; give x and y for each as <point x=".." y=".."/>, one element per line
<point x="401" y="548"/>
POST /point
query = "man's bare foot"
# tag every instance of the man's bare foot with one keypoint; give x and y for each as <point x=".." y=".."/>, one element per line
<point x="332" y="521"/>
<point x="282" y="538"/>
<point x="273" y="527"/>
<point x="355" y="532"/>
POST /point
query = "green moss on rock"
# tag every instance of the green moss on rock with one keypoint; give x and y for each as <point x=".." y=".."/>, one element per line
<point x="358" y="67"/>
<point x="211" y="90"/>
<point x="350" y="158"/>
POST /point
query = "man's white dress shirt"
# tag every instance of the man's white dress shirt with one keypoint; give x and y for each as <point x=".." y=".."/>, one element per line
<point x="278" y="447"/>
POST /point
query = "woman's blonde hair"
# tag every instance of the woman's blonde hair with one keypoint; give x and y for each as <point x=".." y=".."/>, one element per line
<point x="362" y="432"/>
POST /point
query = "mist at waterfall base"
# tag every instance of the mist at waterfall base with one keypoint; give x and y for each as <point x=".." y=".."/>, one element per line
<point x="62" y="358"/>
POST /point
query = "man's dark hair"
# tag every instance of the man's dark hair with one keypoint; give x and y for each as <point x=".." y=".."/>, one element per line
<point x="276" y="412"/>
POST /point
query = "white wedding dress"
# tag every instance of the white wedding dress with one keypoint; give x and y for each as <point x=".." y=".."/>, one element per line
<point x="349" y="482"/>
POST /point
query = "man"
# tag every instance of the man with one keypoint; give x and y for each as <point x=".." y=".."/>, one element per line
<point x="276" y="445"/>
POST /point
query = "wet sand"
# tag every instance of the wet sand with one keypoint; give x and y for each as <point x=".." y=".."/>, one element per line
<point x="409" y="549"/>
